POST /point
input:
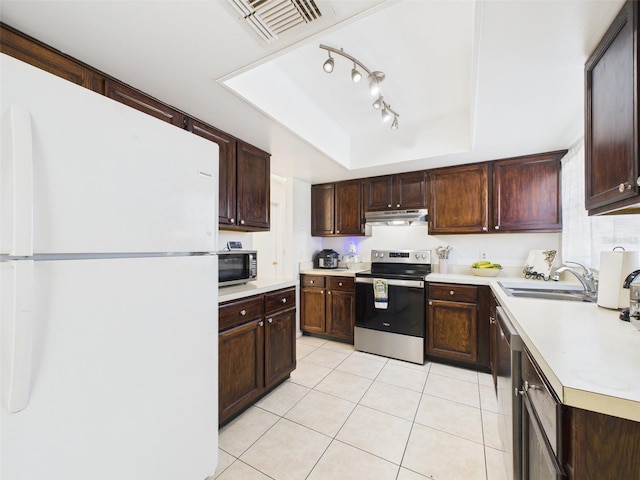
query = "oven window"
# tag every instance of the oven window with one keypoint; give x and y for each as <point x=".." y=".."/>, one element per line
<point x="405" y="313"/>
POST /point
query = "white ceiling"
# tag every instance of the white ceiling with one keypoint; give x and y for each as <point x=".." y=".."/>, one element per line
<point x="471" y="80"/>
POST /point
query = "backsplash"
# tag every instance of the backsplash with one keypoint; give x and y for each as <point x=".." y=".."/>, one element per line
<point x="508" y="249"/>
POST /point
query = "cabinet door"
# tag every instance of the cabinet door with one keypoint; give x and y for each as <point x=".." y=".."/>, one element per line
<point x="253" y="188"/>
<point x="539" y="462"/>
<point x="459" y="199"/>
<point x="378" y="193"/>
<point x="453" y="330"/>
<point x="611" y="135"/>
<point x="280" y="346"/>
<point x="322" y="210"/>
<point x="140" y="101"/>
<point x="341" y="310"/>
<point x="312" y="313"/>
<point x="526" y="193"/>
<point x="30" y="51"/>
<point x="349" y="218"/>
<point x="241" y="367"/>
<point x="227" y="169"/>
<point x="410" y="190"/>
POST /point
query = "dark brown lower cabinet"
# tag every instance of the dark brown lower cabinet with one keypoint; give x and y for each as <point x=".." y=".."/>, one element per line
<point x="600" y="446"/>
<point x="256" y="348"/>
<point x="328" y="306"/>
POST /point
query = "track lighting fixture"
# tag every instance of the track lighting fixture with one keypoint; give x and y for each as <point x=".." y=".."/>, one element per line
<point x="375" y="78"/>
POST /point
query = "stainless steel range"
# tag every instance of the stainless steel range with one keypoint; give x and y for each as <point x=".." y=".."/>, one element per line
<point x="390" y="304"/>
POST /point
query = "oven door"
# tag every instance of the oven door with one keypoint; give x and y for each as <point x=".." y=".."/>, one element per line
<point x="405" y="313"/>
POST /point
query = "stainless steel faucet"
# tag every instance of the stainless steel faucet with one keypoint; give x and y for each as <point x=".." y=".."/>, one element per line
<point x="586" y="278"/>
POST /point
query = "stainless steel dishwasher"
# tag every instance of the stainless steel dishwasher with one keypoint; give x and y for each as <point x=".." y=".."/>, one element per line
<point x="508" y="385"/>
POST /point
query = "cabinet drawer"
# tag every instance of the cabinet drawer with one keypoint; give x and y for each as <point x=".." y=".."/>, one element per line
<point x="340" y="283"/>
<point x="453" y="292"/>
<point x="542" y="399"/>
<point x="279" y="300"/>
<point x="240" y="311"/>
<point x="313" y="281"/>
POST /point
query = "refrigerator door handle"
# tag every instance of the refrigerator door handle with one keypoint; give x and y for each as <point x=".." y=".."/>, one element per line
<point x="22" y="181"/>
<point x="18" y="383"/>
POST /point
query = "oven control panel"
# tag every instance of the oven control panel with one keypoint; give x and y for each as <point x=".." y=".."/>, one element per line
<point x="401" y="256"/>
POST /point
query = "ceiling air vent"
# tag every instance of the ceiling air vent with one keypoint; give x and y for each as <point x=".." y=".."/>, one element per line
<point x="271" y="18"/>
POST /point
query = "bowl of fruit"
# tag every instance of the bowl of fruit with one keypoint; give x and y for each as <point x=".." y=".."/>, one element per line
<point x="484" y="268"/>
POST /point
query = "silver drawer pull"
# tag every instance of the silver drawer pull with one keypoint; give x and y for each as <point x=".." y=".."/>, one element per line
<point x="340" y="283"/>
<point x="312" y="281"/>
<point x="261" y="324"/>
<point x="270" y="320"/>
<point x="451" y="292"/>
<point x="284" y="300"/>
<point x="243" y="312"/>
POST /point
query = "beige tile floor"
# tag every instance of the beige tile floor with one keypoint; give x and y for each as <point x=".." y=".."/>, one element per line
<point x="347" y="415"/>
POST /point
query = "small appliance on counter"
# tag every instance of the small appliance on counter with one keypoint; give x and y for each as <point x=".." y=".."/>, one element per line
<point x="614" y="268"/>
<point x="632" y="282"/>
<point x="326" y="258"/>
<point x="236" y="267"/>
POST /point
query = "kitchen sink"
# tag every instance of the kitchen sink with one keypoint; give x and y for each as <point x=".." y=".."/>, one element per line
<point x="547" y="291"/>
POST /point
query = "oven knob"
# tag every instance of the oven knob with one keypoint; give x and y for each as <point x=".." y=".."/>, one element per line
<point x="424" y="255"/>
<point x="381" y="254"/>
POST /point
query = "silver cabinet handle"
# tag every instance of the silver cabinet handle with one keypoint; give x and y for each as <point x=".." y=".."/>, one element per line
<point x="638" y="181"/>
<point x="243" y="312"/>
<point x="484" y="229"/>
<point x="451" y="292"/>
<point x="337" y="231"/>
<point x="389" y="205"/>
<point x="232" y="220"/>
<point x="340" y="283"/>
<point x="241" y="222"/>
<point x="497" y="227"/>
<point x="397" y="205"/>
<point x="270" y="320"/>
<point x="261" y="323"/>
<point x="329" y="293"/>
<point x="492" y="321"/>
<point x="284" y="300"/>
<point x="624" y="186"/>
<point x="430" y="302"/>
<point x="312" y="281"/>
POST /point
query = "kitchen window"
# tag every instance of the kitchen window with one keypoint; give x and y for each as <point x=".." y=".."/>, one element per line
<point x="584" y="237"/>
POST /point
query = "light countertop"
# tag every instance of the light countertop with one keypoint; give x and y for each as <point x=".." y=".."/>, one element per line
<point x="262" y="285"/>
<point x="590" y="357"/>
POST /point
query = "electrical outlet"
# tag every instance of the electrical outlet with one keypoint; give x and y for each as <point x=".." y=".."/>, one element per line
<point x="483" y="255"/>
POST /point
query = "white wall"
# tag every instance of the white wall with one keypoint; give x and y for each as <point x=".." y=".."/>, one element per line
<point x="508" y="249"/>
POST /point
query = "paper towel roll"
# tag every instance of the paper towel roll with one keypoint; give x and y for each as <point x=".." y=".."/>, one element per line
<point x="614" y="268"/>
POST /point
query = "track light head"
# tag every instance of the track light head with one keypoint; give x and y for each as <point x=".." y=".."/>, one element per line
<point x="394" y="124"/>
<point x="374" y="82"/>
<point x="356" y="76"/>
<point x="378" y="103"/>
<point x="328" y="64"/>
<point x="386" y="114"/>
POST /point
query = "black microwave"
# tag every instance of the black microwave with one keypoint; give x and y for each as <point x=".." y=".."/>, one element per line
<point x="237" y="266"/>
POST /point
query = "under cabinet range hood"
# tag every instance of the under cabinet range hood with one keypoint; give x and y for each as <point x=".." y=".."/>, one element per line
<point x="397" y="217"/>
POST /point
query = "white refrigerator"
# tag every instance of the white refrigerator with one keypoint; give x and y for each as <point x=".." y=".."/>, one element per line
<point x="108" y="284"/>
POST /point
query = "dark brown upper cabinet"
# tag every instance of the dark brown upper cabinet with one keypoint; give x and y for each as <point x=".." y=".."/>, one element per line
<point x="141" y="101"/>
<point x="226" y="171"/>
<point x="253" y="180"/>
<point x="336" y="209"/>
<point x="527" y="193"/>
<point x="459" y="199"/>
<point x="612" y="163"/>
<point x="392" y="192"/>
<point x="33" y="52"/>
<point x="510" y="195"/>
